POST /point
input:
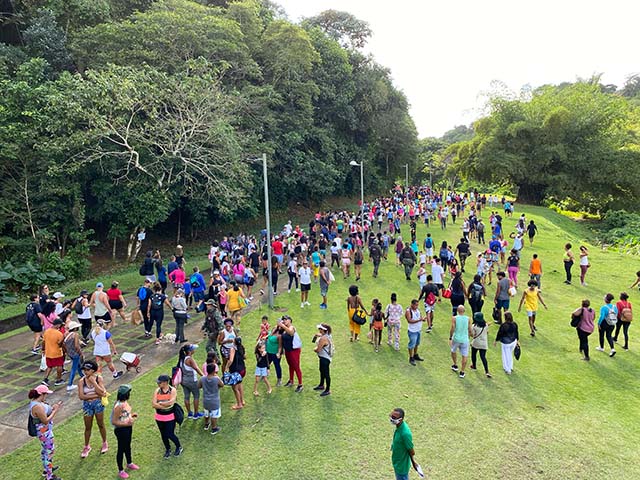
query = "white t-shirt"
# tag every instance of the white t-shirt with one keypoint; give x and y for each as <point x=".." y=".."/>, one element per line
<point x="305" y="275"/>
<point x="335" y="250"/>
<point x="415" y="315"/>
<point x="423" y="258"/>
<point x="292" y="266"/>
<point x="436" y="272"/>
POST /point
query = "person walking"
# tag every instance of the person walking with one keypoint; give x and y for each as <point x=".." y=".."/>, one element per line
<point x="122" y="419"/>
<point x="179" y="307"/>
<point x="585" y="326"/>
<point x="236" y="302"/>
<point x="211" y="385"/>
<point x="103" y="347"/>
<point x="100" y="302"/>
<point x="155" y="309"/>
<point x="607" y="323"/>
<point x="625" y="316"/>
<point x="459" y="334"/>
<point x="532" y="229"/>
<point x="530" y="297"/>
<point x="117" y="303"/>
<point x="52" y="346"/>
<point x="73" y="349"/>
<point x="584" y="264"/>
<point x="91" y="390"/>
<point x="42" y="415"/>
<point x="513" y="267"/>
<point x="393" y="314"/>
<point x="292" y="270"/>
<point x="479" y="342"/>
<point x="458" y="292"/>
<point x="476" y="293"/>
<point x="164" y="399"/>
<point x="354" y="302"/>
<point x="402" y="449"/>
<point x="502" y="298"/>
<point x="324" y="349"/>
<point x="143" y="299"/>
<point x="509" y="338"/>
<point x="190" y="374"/>
<point x="568" y="259"/>
<point x="35" y="321"/>
<point x="325" y="280"/>
<point x="535" y="270"/>
<point x="375" y="254"/>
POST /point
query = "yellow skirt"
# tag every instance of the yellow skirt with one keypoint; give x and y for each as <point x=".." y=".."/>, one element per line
<point x="353" y="326"/>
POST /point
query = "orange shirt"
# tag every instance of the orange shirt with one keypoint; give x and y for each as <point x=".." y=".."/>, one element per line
<point x="536" y="267"/>
<point x="53" y="343"/>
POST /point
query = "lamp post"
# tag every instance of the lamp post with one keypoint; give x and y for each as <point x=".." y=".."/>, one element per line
<point x="406" y="178"/>
<point x="268" y="221"/>
<point x="353" y="163"/>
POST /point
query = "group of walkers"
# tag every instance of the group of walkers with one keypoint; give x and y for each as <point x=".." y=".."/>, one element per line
<point x="334" y="239"/>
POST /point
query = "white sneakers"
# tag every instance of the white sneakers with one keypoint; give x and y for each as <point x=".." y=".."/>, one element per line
<point x="600" y="349"/>
<point x="71" y="388"/>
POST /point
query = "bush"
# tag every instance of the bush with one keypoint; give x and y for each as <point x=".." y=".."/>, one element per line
<point x="14" y="280"/>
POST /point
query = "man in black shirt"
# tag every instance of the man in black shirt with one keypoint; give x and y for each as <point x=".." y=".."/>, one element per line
<point x="431" y="294"/>
<point x="375" y="254"/>
<point x="144" y="297"/>
<point x="463" y="252"/>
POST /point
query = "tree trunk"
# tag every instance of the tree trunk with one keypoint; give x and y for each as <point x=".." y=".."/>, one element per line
<point x="179" y="226"/>
<point x="133" y="238"/>
<point x="531" y="194"/>
<point x="30" y="216"/>
<point x="113" y="251"/>
<point x="138" y="244"/>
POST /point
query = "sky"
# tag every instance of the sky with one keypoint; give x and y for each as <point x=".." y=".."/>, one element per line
<point x="445" y="55"/>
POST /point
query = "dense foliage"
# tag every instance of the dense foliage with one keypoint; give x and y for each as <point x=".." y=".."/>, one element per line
<point x="577" y="143"/>
<point x="122" y="115"/>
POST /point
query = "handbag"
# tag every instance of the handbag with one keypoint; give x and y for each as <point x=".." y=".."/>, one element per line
<point x="495" y="314"/>
<point x="136" y="317"/>
<point x="513" y="291"/>
<point x="176" y="375"/>
<point x="516" y="352"/>
<point x="105" y="400"/>
<point x="178" y="413"/>
<point x="446" y="293"/>
<point x="359" y="317"/>
<point x="575" y="319"/>
<point x="242" y="301"/>
<point x="297" y="341"/>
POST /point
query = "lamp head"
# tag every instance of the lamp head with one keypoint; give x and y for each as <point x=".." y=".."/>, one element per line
<point x="353" y="163"/>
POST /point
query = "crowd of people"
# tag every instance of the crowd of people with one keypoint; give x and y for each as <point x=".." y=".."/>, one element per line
<point x="339" y="241"/>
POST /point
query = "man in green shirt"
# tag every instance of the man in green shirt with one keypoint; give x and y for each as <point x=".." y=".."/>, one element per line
<point x="402" y="446"/>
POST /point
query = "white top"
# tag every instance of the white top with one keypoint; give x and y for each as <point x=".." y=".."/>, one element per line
<point x="292" y="266"/>
<point x="436" y="272"/>
<point x="305" y="275"/>
<point x="423" y="258"/>
<point x="415" y="315"/>
<point x="584" y="261"/>
<point x="101" y="345"/>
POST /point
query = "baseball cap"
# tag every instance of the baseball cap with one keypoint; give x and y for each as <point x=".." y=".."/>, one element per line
<point x="210" y="302"/>
<point x="99" y="285"/>
<point x="321" y="327"/>
<point x="84" y="292"/>
<point x="42" y="389"/>
<point x="124" y="389"/>
<point x="192" y="347"/>
<point x="58" y="295"/>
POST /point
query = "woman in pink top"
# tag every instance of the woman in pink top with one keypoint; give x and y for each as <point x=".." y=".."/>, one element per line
<point x="177" y="277"/>
<point x="585" y="327"/>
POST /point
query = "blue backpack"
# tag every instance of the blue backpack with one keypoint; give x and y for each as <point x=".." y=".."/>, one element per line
<point x="142" y="294"/>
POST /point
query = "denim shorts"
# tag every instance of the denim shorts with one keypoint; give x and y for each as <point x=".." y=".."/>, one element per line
<point x="464" y="348"/>
<point x="212" y="413"/>
<point x="92" y="407"/>
<point x="262" y="372"/>
<point x="503" y="304"/>
<point x="414" y="339"/>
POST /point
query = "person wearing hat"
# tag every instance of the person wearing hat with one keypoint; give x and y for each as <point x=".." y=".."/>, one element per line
<point x="42" y="415"/>
<point x="122" y="419"/>
<point x="190" y="374"/>
<point x="226" y="339"/>
<point x="103" y="346"/>
<point x="83" y="312"/>
<point x="324" y="350"/>
<point x="164" y="398"/>
<point x="35" y="320"/>
<point x="143" y="298"/>
<point x="179" y="308"/>
<point x="100" y="302"/>
<point x="52" y="342"/>
<point x="74" y="352"/>
<point x="57" y="298"/>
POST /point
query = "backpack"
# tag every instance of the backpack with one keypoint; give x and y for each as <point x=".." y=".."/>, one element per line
<point x="31" y="425"/>
<point x="476" y="293"/>
<point x="79" y="308"/>
<point x="193" y="280"/>
<point x="331" y="348"/>
<point x="142" y="294"/>
<point x="430" y="300"/>
<point x="612" y="317"/>
<point x="428" y="242"/>
<point x="626" y="315"/>
<point x="156" y="301"/>
<point x="31" y="316"/>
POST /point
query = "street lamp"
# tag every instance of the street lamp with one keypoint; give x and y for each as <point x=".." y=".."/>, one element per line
<point x="406" y="178"/>
<point x="353" y="163"/>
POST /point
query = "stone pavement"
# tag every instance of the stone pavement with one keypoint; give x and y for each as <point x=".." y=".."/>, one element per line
<point x="21" y="369"/>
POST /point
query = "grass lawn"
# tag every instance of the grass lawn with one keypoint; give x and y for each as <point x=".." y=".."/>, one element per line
<point x="556" y="417"/>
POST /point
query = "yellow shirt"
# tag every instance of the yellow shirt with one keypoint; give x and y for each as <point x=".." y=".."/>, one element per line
<point x="531" y="299"/>
<point x="233" y="300"/>
<point x="53" y="343"/>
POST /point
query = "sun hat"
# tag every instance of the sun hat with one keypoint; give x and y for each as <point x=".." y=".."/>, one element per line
<point x="321" y="327"/>
<point x="74" y="325"/>
<point x="58" y="295"/>
<point x="42" y="389"/>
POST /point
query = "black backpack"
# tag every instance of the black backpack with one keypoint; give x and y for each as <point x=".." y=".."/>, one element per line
<point x="156" y="301"/>
<point x="31" y="316"/>
<point x="31" y="425"/>
<point x="79" y="308"/>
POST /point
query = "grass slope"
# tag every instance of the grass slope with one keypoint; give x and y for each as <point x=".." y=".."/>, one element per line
<point x="556" y="417"/>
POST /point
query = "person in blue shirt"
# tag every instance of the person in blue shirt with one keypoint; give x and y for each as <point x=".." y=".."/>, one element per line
<point x="494" y="244"/>
<point x="172" y="265"/>
<point x="196" y="280"/>
<point x="607" y="322"/>
<point x="162" y="275"/>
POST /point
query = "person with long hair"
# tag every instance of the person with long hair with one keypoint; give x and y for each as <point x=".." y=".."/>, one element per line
<point x="262" y="367"/>
<point x="625" y="315"/>
<point x="190" y="374"/>
<point x="292" y="346"/>
<point x="509" y="338"/>
<point x="458" y="292"/>
<point x="568" y="259"/>
<point x="91" y="390"/>
<point x="353" y="303"/>
<point x="584" y="264"/>
<point x="393" y="315"/>
<point x="42" y="417"/>
<point x="236" y="373"/>
<point x="117" y="303"/>
<point x="479" y="342"/>
<point x="122" y="419"/>
<point x="324" y="350"/>
<point x="104" y="347"/>
<point x="606" y="323"/>
<point x="274" y="352"/>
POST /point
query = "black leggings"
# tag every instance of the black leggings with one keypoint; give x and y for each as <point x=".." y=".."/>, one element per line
<point x="605" y="329"/>
<point x="123" y="434"/>
<point x="483" y="358"/>
<point x="86" y="327"/>
<point x="292" y="277"/>
<point x="625" y="330"/>
<point x="584" y="342"/>
<point x="567" y="270"/>
<point x="274" y="280"/>
<point x="156" y="316"/>
<point x="325" y="375"/>
<point x="167" y="432"/>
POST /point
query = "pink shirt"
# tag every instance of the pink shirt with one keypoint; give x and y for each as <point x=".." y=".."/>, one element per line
<point x="177" y="276"/>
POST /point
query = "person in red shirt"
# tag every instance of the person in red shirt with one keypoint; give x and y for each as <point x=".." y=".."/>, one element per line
<point x="277" y="248"/>
<point x="624" y="319"/>
<point x="117" y="301"/>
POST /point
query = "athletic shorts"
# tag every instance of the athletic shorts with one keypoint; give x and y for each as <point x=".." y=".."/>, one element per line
<point x="503" y="304"/>
<point x="429" y="308"/>
<point x="305" y="287"/>
<point x="106" y="317"/>
<point x="463" y="347"/>
<point x="531" y="313"/>
<point x="55" y="362"/>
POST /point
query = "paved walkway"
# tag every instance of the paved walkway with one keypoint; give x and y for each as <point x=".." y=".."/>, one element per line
<point x="21" y="370"/>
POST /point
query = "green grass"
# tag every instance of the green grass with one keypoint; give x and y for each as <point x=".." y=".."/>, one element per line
<point x="556" y="417"/>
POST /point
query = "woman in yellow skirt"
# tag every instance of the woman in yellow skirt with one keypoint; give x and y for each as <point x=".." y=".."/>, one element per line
<point x="353" y="303"/>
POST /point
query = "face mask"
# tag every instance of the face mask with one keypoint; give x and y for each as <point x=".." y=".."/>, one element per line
<point x="395" y="421"/>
